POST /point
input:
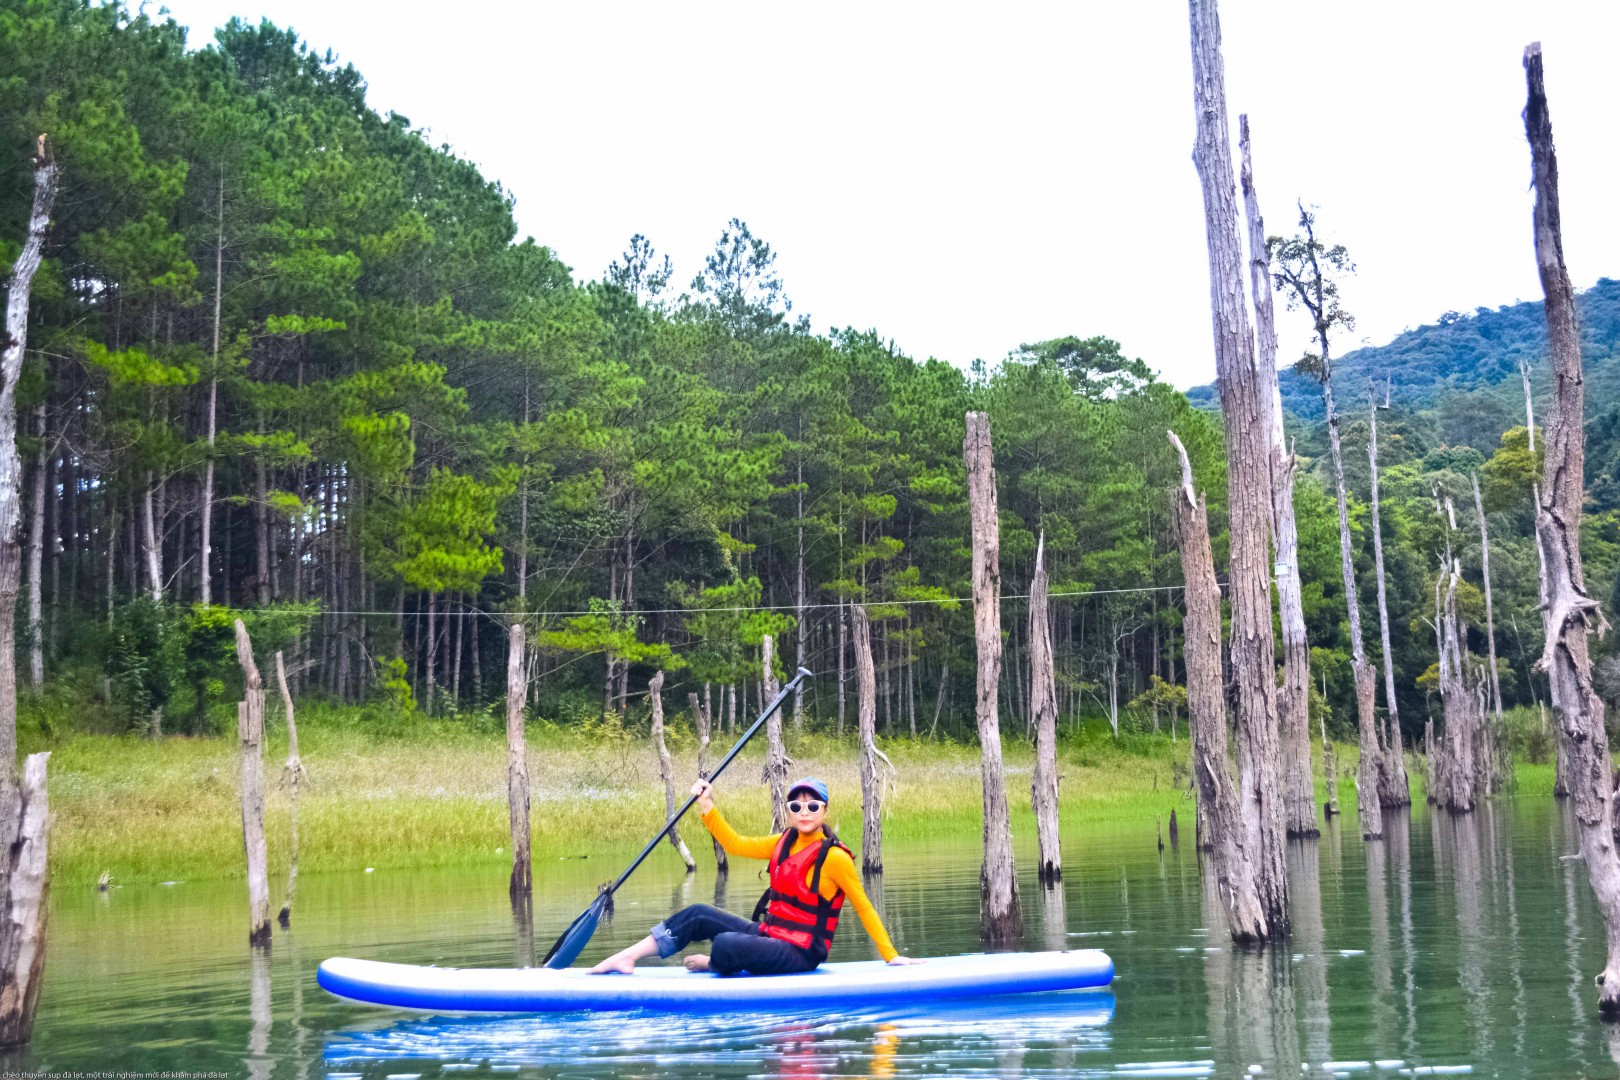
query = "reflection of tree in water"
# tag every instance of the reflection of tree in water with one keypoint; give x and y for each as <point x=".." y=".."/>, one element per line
<point x="1398" y="843"/>
<point x="1310" y="940"/>
<point x="1457" y="855"/>
<point x="1499" y="842"/>
<point x="1473" y="923"/>
<point x="1251" y="1002"/>
<point x="1379" y="961"/>
<point x="258" y="1061"/>
<point x="294" y="961"/>
<point x="1054" y="917"/>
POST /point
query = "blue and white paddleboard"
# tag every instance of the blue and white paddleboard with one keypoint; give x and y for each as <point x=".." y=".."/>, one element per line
<point x="674" y="989"/>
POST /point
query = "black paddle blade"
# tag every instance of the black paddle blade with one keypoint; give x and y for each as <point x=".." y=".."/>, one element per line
<point x="577" y="936"/>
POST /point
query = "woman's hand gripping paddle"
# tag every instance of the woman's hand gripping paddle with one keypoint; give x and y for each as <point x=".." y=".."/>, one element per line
<point x="574" y="939"/>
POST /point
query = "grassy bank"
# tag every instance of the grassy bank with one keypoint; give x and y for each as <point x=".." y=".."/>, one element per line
<point x="433" y="793"/>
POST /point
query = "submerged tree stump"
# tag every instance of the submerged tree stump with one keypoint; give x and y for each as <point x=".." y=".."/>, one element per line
<point x="704" y="724"/>
<point x="1222" y="823"/>
<point x="1395" y="788"/>
<point x="866" y="719"/>
<point x="1294" y="698"/>
<point x="250" y="736"/>
<point x="24" y="881"/>
<point x="775" y="751"/>
<point x="292" y="775"/>
<point x="1247" y="414"/>
<point x="1000" y="919"/>
<point x="520" y="886"/>
<point x="22" y="957"/>
<point x="1043" y="704"/>
<point x="666" y="771"/>
<point x="1571" y="613"/>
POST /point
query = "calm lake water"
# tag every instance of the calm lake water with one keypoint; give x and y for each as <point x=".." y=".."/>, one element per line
<point x="1456" y="946"/>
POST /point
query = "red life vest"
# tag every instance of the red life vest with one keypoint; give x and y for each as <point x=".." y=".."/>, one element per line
<point x="796" y="912"/>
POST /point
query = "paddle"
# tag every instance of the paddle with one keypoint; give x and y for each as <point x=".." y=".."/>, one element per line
<point x="578" y="934"/>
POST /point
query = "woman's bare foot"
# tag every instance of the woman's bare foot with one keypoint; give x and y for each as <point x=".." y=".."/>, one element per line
<point x="623" y="962"/>
<point x="696" y="962"/>
<point x="618" y="964"/>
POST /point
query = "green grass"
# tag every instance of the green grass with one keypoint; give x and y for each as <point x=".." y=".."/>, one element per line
<point x="399" y="791"/>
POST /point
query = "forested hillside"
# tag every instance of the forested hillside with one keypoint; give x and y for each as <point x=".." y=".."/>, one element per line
<point x="1460" y="352"/>
<point x="289" y="359"/>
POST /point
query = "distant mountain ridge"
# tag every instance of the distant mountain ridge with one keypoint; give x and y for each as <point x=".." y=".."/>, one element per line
<point x="1461" y="352"/>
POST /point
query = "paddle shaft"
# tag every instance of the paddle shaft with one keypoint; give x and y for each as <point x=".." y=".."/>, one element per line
<point x="770" y="710"/>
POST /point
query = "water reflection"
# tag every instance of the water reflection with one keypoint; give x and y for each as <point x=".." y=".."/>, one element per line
<point x="1477" y="924"/>
<point x="1251" y="1001"/>
<point x="1398" y="846"/>
<point x="1039" y="1035"/>
<point x="1310" y="945"/>
<point x="1054" y="917"/>
<point x="1379" y="958"/>
<point x="258" y="1061"/>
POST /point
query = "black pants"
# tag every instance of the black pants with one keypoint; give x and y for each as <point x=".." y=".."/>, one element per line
<point x="738" y="943"/>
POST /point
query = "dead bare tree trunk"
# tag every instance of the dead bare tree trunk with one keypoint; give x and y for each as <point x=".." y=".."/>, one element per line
<point x="1248" y="455"/>
<point x="292" y="775"/>
<point x="1571" y="613"/>
<point x="1220" y="819"/>
<point x="801" y="629"/>
<point x="1496" y="733"/>
<point x="250" y="735"/>
<point x="1000" y="919"/>
<point x="1395" y="789"/>
<point x="36" y="562"/>
<point x="520" y="886"/>
<point x="1561" y="764"/>
<point x="1043" y="704"/>
<point x="703" y="721"/>
<point x="205" y="582"/>
<point x="866" y="717"/>
<point x="666" y="770"/>
<point x="1294" y="700"/>
<point x="939" y="699"/>
<point x="27" y="877"/>
<point x="154" y="552"/>
<point x="1456" y="770"/>
<point x="775" y="752"/>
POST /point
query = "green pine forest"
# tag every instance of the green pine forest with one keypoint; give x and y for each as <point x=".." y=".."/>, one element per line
<point x="289" y="361"/>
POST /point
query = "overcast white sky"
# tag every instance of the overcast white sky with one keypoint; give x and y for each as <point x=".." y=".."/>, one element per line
<point x="965" y="177"/>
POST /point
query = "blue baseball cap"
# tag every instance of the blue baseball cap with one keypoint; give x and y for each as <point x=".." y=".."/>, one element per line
<point x="815" y="787"/>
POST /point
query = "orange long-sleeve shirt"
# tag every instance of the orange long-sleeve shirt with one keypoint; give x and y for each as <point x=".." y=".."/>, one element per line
<point x="837" y="873"/>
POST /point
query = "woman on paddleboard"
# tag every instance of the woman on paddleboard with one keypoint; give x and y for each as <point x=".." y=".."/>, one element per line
<point x="812" y="874"/>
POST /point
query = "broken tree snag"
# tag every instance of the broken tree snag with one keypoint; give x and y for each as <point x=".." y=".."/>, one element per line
<point x="1500" y="764"/>
<point x="292" y="775"/>
<point x="775" y="752"/>
<point x="1000" y="919"/>
<point x="1456" y="769"/>
<point x="866" y="717"/>
<point x="1293" y="700"/>
<point x="1560" y="767"/>
<point x="520" y="887"/>
<point x="24" y="883"/>
<point x="666" y="771"/>
<point x="1043" y="704"/>
<point x="22" y="961"/>
<point x="12" y="348"/>
<point x="1395" y="789"/>
<point x="1571" y="613"/>
<point x="1247" y="412"/>
<point x="1330" y="773"/>
<point x="1372" y="754"/>
<point x="250" y="736"/>
<point x="702" y="721"/>
<point x="1221" y="828"/>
